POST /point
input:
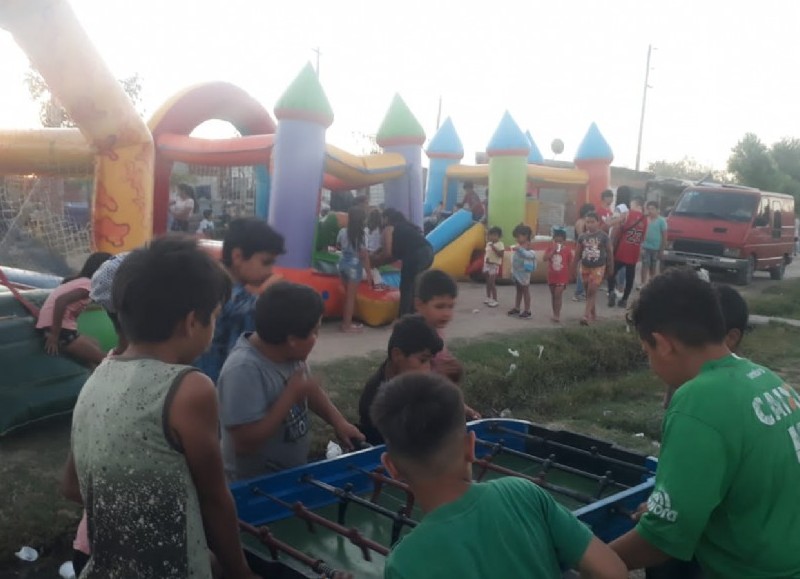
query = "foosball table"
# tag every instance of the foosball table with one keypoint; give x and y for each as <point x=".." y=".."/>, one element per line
<point x="345" y="514"/>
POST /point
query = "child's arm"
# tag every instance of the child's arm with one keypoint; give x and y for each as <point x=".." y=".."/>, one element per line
<point x="249" y="437"/>
<point x="321" y="405"/>
<point x="194" y="422"/>
<point x="498" y="251"/>
<point x="600" y="562"/>
<point x="573" y="266"/>
<point x="62" y="301"/>
<point x="364" y="257"/>
<point x="609" y="258"/>
<point x="70" y="487"/>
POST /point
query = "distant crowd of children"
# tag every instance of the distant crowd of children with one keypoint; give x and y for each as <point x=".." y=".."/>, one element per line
<point x="211" y="383"/>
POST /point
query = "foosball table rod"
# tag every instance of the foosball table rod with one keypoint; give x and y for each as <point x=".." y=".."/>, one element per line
<point x="266" y="538"/>
<point x="311" y="518"/>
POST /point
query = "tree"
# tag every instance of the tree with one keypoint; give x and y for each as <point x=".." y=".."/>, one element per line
<point x="754" y="164"/>
<point x="53" y="115"/>
<point x="687" y="168"/>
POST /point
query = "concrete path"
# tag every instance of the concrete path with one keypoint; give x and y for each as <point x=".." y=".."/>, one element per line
<point x="473" y="319"/>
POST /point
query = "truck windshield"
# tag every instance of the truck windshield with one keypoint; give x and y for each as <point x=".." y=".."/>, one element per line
<point x="724" y="205"/>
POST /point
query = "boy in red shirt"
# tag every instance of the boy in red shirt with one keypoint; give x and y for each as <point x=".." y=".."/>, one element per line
<point x="627" y="239"/>
<point x="559" y="260"/>
<point x="605" y="211"/>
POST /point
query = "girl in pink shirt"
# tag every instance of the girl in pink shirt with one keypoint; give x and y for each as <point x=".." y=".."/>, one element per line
<point x="58" y="318"/>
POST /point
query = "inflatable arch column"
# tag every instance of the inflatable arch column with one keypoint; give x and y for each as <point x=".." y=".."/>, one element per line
<point x="58" y="47"/>
<point x="400" y="132"/>
<point x="508" y="176"/>
<point x="595" y="156"/>
<point x="445" y="149"/>
<point x="304" y="114"/>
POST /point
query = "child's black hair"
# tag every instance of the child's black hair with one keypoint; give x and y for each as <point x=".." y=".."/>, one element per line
<point x="734" y="308"/>
<point x="435" y="283"/>
<point x="679" y="304"/>
<point x="469" y="185"/>
<point x="393" y="216"/>
<point x="157" y="286"/>
<point x="207" y="214"/>
<point x="417" y="413"/>
<point x="496" y="231"/>
<point x="90" y="266"/>
<point x="287" y="309"/>
<point x="559" y="233"/>
<point x="624" y="195"/>
<point x="652" y="204"/>
<point x="522" y="229"/>
<point x="412" y="334"/>
<point x="606" y="194"/>
<point x="250" y="236"/>
<point x="639" y="200"/>
<point x="592" y="215"/>
<point x="586" y="208"/>
<point x="356" y="220"/>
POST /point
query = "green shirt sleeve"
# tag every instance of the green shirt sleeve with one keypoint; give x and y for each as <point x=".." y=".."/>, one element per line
<point x="690" y="483"/>
<point x="570" y="537"/>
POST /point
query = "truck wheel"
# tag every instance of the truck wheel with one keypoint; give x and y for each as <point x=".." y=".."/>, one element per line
<point x="778" y="272"/>
<point x="745" y="276"/>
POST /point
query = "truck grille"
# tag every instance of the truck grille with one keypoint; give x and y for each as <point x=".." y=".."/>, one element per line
<point x="700" y="247"/>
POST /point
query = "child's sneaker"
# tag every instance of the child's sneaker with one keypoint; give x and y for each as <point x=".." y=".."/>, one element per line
<point x="612" y="299"/>
<point x="492" y="303"/>
<point x="513" y="312"/>
<point x="487" y="301"/>
<point x="623" y="303"/>
<point x="525" y="316"/>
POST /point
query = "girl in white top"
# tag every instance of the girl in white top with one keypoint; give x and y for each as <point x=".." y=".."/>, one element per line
<point x="182" y="208"/>
<point x="373" y="234"/>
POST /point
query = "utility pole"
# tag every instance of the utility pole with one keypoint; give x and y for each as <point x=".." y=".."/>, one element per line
<point x="439" y="114"/>
<point x="318" y="53"/>
<point x="644" y="106"/>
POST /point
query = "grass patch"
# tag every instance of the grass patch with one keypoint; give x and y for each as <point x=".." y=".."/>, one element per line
<point x="781" y="300"/>
<point x="594" y="381"/>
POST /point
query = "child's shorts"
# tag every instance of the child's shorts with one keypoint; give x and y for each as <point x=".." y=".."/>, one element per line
<point x="557" y="285"/>
<point x="491" y="268"/>
<point x="593" y="275"/>
<point x="522" y="278"/>
<point x="65" y="337"/>
<point x="351" y="270"/>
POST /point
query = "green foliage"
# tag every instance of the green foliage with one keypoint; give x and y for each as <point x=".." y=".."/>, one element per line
<point x="780" y="300"/>
<point x="687" y="168"/>
<point x="775" y="168"/>
<point x="53" y="115"/>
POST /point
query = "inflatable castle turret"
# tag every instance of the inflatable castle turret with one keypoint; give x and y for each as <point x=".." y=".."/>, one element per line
<point x="595" y="156"/>
<point x="400" y="132"/>
<point x="534" y="155"/>
<point x="303" y="114"/>
<point x="445" y="149"/>
<point x="508" y="176"/>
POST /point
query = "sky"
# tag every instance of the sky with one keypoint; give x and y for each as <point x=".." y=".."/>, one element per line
<point x="719" y="68"/>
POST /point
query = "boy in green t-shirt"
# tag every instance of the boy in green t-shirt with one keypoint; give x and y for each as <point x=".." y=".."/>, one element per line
<point x="726" y="486"/>
<point x="507" y="528"/>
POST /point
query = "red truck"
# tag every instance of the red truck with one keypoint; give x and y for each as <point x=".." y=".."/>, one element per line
<point x="730" y="228"/>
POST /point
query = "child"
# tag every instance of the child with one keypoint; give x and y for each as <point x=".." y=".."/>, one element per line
<point x="726" y="486"/>
<point x="145" y="451"/>
<point x="436" y="302"/>
<point x="352" y="265"/>
<point x="100" y="293"/>
<point x="266" y="389"/>
<point x="627" y="239"/>
<point x="594" y="255"/>
<point x="508" y="527"/>
<point x="412" y="346"/>
<point x="58" y="318"/>
<point x="559" y="259"/>
<point x="249" y="251"/>
<point x="374" y="237"/>
<point x="206" y="227"/>
<point x="492" y="261"/>
<point x="580" y="229"/>
<point x="523" y="264"/>
<point x="655" y="242"/>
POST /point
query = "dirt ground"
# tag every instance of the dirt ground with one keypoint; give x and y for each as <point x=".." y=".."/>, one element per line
<point x="473" y="319"/>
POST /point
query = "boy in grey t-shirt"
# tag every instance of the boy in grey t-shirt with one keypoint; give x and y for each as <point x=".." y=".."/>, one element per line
<point x="265" y="388"/>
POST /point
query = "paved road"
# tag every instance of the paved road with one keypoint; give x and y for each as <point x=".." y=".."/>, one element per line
<point x="473" y="319"/>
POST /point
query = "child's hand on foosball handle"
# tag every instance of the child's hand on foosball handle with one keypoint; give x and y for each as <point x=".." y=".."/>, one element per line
<point x="642" y="509"/>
